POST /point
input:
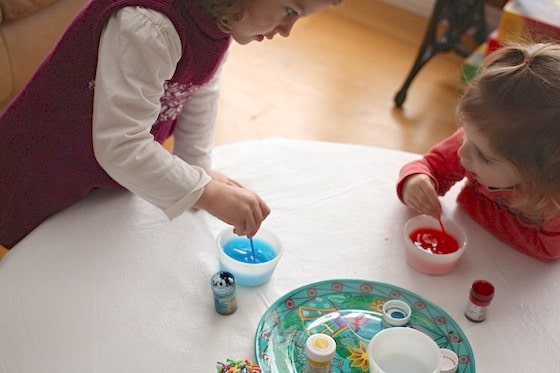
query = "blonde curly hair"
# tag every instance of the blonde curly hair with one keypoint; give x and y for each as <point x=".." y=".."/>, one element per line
<point x="223" y="12"/>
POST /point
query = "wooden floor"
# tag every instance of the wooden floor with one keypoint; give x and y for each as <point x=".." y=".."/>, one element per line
<point x="334" y="79"/>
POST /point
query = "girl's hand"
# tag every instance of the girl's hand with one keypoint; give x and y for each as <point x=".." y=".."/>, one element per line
<point x="233" y="204"/>
<point x="219" y="177"/>
<point x="419" y="193"/>
<point x="222" y="178"/>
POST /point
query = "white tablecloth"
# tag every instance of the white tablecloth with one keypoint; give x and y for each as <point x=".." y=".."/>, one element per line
<point x="109" y="285"/>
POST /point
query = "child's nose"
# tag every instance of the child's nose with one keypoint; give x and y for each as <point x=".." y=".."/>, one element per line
<point x="285" y="29"/>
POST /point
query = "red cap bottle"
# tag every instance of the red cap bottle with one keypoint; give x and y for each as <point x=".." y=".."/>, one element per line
<point x="480" y="296"/>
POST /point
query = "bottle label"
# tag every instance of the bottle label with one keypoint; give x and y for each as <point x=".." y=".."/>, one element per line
<point x="316" y="367"/>
<point x="223" y="286"/>
<point x="475" y="312"/>
<point x="225" y="303"/>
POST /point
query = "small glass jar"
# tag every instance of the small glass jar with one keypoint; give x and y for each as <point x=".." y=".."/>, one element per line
<point x="223" y="286"/>
<point x="319" y="350"/>
<point x="480" y="296"/>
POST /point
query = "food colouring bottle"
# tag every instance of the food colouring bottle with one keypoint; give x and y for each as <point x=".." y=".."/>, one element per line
<point x="223" y="286"/>
<point x="480" y="296"/>
<point x="319" y="349"/>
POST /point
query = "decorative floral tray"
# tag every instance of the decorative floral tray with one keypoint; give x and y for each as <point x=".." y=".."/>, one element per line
<point x="351" y="312"/>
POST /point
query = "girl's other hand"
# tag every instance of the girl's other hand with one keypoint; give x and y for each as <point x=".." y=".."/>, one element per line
<point x="233" y="204"/>
<point x="419" y="193"/>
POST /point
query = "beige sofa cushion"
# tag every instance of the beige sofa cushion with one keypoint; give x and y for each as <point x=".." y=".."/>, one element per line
<point x="11" y="10"/>
<point x="33" y="30"/>
<point x="6" y="80"/>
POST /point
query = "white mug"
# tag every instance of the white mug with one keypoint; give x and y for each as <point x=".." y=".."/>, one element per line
<point x="403" y="350"/>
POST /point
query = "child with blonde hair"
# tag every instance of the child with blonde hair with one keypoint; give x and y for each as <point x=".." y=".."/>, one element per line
<point x="125" y="76"/>
<point x="508" y="149"/>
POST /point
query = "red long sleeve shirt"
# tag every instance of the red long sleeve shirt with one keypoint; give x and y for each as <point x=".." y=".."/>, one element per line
<point x="531" y="235"/>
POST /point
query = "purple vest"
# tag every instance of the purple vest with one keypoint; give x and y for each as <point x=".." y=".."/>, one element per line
<point x="46" y="152"/>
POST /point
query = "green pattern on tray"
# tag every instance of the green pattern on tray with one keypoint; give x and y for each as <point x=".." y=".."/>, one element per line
<point x="351" y="312"/>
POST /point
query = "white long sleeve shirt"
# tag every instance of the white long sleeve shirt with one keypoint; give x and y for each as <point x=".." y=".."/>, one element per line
<point x="138" y="52"/>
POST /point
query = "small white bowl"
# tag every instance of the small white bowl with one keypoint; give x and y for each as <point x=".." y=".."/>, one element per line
<point x="428" y="262"/>
<point x="450" y="361"/>
<point x="249" y="273"/>
<point x="403" y="349"/>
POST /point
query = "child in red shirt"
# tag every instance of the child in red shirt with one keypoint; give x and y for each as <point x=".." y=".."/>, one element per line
<point x="508" y="149"/>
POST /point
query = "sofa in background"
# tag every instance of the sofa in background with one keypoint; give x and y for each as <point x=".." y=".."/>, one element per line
<point x="29" y="29"/>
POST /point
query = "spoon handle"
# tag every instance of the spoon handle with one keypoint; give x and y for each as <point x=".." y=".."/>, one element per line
<point x="441" y="224"/>
<point x="252" y="249"/>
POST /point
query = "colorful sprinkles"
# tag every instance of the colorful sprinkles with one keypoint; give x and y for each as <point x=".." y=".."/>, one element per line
<point x="238" y="366"/>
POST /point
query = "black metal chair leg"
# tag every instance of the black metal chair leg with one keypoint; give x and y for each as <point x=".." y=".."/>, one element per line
<point x="461" y="16"/>
<point x="421" y="60"/>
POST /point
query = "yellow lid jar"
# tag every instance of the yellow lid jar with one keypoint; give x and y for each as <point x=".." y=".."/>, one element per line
<point x="319" y="349"/>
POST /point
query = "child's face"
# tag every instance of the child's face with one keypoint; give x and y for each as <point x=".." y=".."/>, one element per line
<point x="266" y="18"/>
<point x="488" y="168"/>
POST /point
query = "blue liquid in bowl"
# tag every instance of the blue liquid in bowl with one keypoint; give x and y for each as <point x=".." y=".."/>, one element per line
<point x="239" y="248"/>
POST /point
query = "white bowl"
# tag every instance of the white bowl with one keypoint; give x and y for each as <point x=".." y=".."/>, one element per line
<point x="425" y="261"/>
<point x="248" y="273"/>
<point x="401" y="349"/>
<point x="450" y="361"/>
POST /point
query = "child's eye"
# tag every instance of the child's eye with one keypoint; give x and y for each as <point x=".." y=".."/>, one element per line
<point x="291" y="12"/>
<point x="482" y="157"/>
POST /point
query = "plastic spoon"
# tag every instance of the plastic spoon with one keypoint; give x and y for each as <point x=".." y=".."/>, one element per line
<point x="441" y="225"/>
<point x="253" y="249"/>
<point x="440" y="220"/>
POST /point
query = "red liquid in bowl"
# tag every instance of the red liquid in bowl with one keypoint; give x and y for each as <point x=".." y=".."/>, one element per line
<point x="434" y="241"/>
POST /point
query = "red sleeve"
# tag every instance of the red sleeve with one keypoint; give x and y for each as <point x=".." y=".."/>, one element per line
<point x="542" y="243"/>
<point x="441" y="163"/>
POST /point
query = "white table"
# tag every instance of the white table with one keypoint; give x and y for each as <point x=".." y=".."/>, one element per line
<point x="109" y="285"/>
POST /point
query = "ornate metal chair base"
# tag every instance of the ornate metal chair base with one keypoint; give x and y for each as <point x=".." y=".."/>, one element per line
<point x="450" y="23"/>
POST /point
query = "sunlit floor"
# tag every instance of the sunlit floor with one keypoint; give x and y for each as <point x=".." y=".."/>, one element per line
<point x="335" y="78"/>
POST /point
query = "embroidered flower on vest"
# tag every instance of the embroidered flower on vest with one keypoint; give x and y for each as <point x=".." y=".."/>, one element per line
<point x="174" y="96"/>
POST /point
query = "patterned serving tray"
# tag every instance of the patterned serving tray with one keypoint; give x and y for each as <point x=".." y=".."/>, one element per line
<point x="351" y="312"/>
